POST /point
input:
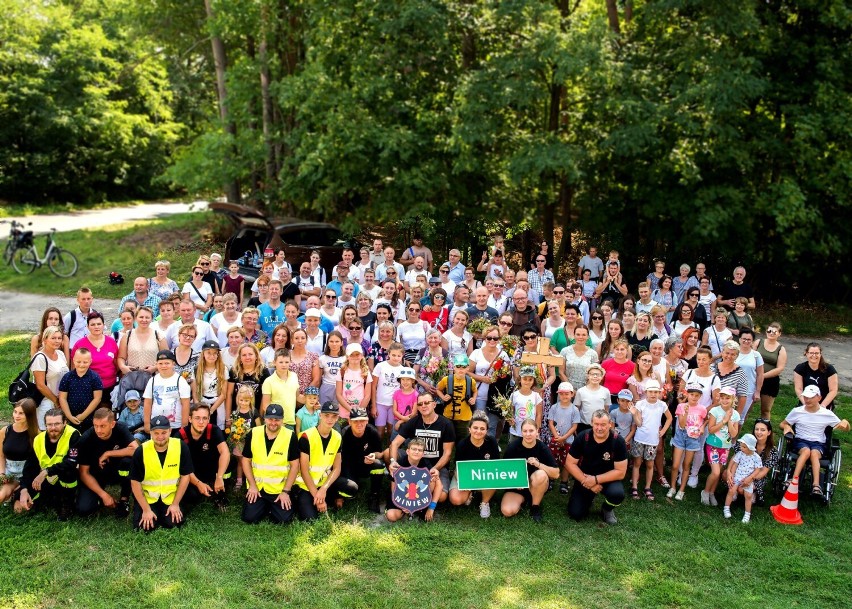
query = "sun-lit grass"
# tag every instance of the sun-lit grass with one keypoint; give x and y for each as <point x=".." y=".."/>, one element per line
<point x="811" y="319"/>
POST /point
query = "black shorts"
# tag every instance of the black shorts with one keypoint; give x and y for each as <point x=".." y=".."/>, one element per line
<point x="523" y="492"/>
<point x="770" y="387"/>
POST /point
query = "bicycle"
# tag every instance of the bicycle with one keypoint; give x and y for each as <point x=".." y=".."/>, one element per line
<point x="16" y="238"/>
<point x="25" y="259"/>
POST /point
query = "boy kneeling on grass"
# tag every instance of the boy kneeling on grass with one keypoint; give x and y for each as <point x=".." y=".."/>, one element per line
<point x="413" y="457"/>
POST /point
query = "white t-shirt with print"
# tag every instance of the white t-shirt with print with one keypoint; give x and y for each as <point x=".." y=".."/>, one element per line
<point x="387" y="377"/>
<point x="165" y="395"/>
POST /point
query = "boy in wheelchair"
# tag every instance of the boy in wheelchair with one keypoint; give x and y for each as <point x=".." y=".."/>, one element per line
<point x="810" y="440"/>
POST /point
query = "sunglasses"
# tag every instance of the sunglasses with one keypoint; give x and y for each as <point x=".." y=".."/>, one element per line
<point x="426" y="403"/>
<point x="198" y="273"/>
<point x="596" y="317"/>
<point x="204" y="264"/>
<point x="412" y="310"/>
<point x="330" y="296"/>
<point x="558" y="292"/>
<point x="530" y="336"/>
<point x="540" y="260"/>
<point x="771" y="331"/>
<point x="491" y="339"/>
<point x="391" y="273"/>
<point x="438" y="297"/>
<point x="505" y="323"/>
<point x="443" y="271"/>
<point x="354" y="328"/>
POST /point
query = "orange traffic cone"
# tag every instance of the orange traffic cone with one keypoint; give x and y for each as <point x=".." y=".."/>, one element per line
<point x="787" y="512"/>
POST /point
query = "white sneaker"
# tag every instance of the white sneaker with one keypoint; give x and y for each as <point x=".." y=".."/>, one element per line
<point x="484" y="510"/>
<point x="679" y="496"/>
<point x="726" y="512"/>
<point x="747" y="517"/>
<point x="692" y="482"/>
<point x="671" y="493"/>
<point x="705" y="498"/>
<point x="713" y="501"/>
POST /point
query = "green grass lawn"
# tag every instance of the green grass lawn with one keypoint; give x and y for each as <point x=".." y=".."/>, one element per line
<point x="130" y="249"/>
<point x="812" y="319"/>
<point x="662" y="554"/>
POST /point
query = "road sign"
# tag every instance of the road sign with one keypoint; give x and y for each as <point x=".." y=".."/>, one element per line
<point x="499" y="473"/>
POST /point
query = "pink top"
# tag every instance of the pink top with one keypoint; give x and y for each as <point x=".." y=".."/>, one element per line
<point x="616" y="374"/>
<point x="354" y="389"/>
<point x="103" y="359"/>
<point x="405" y="401"/>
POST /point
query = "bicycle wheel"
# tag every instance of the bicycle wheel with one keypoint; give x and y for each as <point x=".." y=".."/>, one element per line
<point x="9" y="251"/>
<point x="25" y="260"/>
<point x="62" y="263"/>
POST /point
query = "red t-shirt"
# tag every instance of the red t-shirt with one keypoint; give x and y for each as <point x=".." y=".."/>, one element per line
<point x="616" y="374"/>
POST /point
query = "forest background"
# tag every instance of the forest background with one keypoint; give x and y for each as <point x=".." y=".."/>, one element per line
<point x="683" y="129"/>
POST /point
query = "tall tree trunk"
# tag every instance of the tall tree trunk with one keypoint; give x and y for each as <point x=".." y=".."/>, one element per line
<point x="232" y="188"/>
<point x="268" y="115"/>
<point x="258" y="187"/>
<point x="612" y="14"/>
<point x="628" y="11"/>
<point x="566" y="198"/>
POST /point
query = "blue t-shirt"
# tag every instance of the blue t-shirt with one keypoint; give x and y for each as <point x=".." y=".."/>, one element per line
<point x="269" y="317"/>
<point x="307" y="419"/>
<point x="81" y="389"/>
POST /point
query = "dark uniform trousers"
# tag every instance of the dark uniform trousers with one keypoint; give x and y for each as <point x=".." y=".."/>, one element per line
<point x="117" y="471"/>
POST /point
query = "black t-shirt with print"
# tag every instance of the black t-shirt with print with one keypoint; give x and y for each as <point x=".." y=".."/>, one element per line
<point x="598" y="457"/>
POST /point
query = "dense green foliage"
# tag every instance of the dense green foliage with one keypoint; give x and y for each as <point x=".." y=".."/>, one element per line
<point x="716" y="130"/>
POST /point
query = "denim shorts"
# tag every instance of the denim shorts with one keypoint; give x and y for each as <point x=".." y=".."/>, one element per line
<point x="682" y="441"/>
<point x="799" y="444"/>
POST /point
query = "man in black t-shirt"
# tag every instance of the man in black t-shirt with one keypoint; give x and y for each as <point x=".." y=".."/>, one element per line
<point x="731" y="290"/>
<point x="361" y="455"/>
<point x="104" y="458"/>
<point x="439" y="435"/>
<point x="210" y="457"/>
<point x="598" y="461"/>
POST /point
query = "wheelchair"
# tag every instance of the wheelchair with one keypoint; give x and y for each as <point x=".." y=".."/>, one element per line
<point x="829" y="468"/>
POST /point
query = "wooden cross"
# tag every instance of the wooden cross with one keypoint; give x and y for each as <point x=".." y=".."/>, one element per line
<point x="542" y="355"/>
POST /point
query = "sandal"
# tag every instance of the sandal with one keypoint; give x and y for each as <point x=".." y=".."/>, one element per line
<point x="634" y="492"/>
<point x="238" y="484"/>
<point x="649" y="494"/>
<point x="663" y="482"/>
<point x="816" y="491"/>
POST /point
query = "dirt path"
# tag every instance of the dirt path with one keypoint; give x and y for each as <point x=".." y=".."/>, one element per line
<point x="94" y="218"/>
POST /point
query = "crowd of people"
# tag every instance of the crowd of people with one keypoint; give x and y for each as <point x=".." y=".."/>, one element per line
<point x="298" y="389"/>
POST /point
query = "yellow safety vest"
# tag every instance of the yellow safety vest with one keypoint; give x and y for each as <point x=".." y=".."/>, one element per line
<point x="161" y="480"/>
<point x="270" y="470"/>
<point x="322" y="461"/>
<point x="62" y="447"/>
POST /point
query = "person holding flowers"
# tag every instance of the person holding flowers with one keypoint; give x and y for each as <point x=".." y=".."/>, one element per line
<point x="488" y="365"/>
<point x="431" y="364"/>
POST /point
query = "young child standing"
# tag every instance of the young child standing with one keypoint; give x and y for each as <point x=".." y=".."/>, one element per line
<point x="622" y="419"/>
<point x="562" y="420"/>
<point x="526" y="403"/>
<point x="386" y="377"/>
<point x="330" y="363"/>
<point x="691" y="422"/>
<point x="80" y="391"/>
<point x="308" y="416"/>
<point x="649" y="415"/>
<point x="741" y="473"/>
<point x="355" y="385"/>
<point x="459" y="399"/>
<point x="235" y="283"/>
<point x="132" y="415"/>
<point x="592" y="396"/>
<point x="244" y="417"/>
<point x="282" y="388"/>
<point x="723" y="425"/>
<point x="404" y="398"/>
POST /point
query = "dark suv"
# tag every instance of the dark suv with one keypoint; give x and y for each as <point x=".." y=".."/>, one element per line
<point x="254" y="231"/>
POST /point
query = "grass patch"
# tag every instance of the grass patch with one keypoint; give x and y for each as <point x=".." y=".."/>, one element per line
<point x="130" y="249"/>
<point x="662" y="554"/>
<point x="806" y="319"/>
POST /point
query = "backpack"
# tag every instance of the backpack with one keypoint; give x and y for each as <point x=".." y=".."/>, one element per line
<point x="185" y="437"/>
<point x="22" y="388"/>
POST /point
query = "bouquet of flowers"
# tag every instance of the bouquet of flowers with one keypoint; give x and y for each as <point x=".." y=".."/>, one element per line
<point x="510" y="344"/>
<point x="239" y="430"/>
<point x="434" y="368"/>
<point x="478" y="326"/>
<point x="500" y="369"/>
<point x="507" y="410"/>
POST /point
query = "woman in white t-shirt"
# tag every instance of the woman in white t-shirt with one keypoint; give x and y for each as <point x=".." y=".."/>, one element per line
<point x="48" y="367"/>
<point x="199" y="292"/>
<point x="718" y="334"/>
<point x="412" y="332"/>
<point x="457" y="340"/>
<point x="683" y="319"/>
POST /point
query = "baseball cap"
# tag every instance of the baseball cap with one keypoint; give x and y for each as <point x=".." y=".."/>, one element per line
<point x="274" y="411"/>
<point x="652" y="385"/>
<point x="527" y="371"/>
<point x="406" y="373"/>
<point x="358" y="414"/>
<point x="331" y="407"/>
<point x="210" y="344"/>
<point x="749" y="440"/>
<point x="625" y="394"/>
<point x="728" y="391"/>
<point x="353" y="348"/>
<point x="132" y="395"/>
<point x="160" y="422"/>
<point x="311" y="390"/>
<point x="694" y="387"/>
<point x="565" y="387"/>
<point x="165" y="354"/>
<point x="313" y="313"/>
<point x="811" y="391"/>
<point x="460" y="360"/>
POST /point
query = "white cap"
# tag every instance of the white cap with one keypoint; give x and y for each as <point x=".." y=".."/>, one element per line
<point x="749" y="440"/>
<point x="406" y="373"/>
<point x="652" y="385"/>
<point x="811" y="391"/>
<point x="313" y="313"/>
<point x="565" y="387"/>
<point x="354" y="347"/>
